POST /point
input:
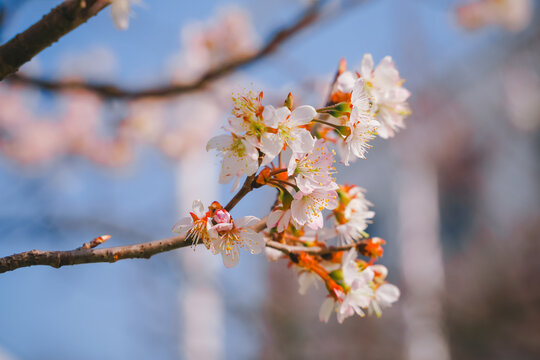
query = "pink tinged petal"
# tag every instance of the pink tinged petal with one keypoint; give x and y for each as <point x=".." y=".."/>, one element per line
<point x="231" y="258"/>
<point x="302" y="141"/>
<point x="273" y="218"/>
<point x="293" y="163"/>
<point x="282" y="114"/>
<point x="302" y="115"/>
<point x="367" y="66"/>
<point x="223" y="227"/>
<point x="298" y="210"/>
<point x="326" y="310"/>
<point x="254" y="241"/>
<point x="183" y="225"/>
<point x="284" y="221"/>
<point x="316" y="222"/>
<point x="222" y="216"/>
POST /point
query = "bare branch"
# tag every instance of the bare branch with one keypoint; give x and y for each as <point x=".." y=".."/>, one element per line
<point x="111" y="91"/>
<point x="86" y="255"/>
<point x="57" y="23"/>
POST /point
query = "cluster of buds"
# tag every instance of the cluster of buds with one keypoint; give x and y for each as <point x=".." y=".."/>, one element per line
<point x="258" y="141"/>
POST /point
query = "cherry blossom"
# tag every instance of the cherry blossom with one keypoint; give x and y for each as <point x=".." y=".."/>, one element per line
<point x="194" y="226"/>
<point x="228" y="236"/>
<point x="239" y="157"/>
<point x="314" y="170"/>
<point x="384" y="86"/>
<point x="353" y="215"/>
<point x="289" y="131"/>
<point x="307" y="208"/>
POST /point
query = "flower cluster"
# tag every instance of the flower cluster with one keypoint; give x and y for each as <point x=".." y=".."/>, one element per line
<point x="292" y="149"/>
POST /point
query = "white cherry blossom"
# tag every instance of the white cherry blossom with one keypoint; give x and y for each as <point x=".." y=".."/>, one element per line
<point x="279" y="218"/>
<point x="354" y="219"/>
<point x="384" y="87"/>
<point x="228" y="237"/>
<point x="239" y="157"/>
<point x="313" y="170"/>
<point x="195" y="225"/>
<point x="306" y="209"/>
<point x="288" y="130"/>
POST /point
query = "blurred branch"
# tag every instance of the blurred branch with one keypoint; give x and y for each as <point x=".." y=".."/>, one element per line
<point x="308" y="17"/>
<point x="60" y="21"/>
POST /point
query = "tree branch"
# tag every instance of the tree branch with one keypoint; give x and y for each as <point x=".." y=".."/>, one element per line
<point x="309" y="16"/>
<point x="60" y="21"/>
<point x="87" y="255"/>
<point x="315" y="250"/>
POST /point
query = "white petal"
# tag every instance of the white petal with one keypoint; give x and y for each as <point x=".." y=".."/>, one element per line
<point x="198" y="208"/>
<point x="271" y="145"/>
<point x="326" y="310"/>
<point x="254" y="241"/>
<point x="246" y="221"/>
<point x="219" y="142"/>
<point x="367" y="66"/>
<point x="273" y="218"/>
<point x="302" y="141"/>
<point x="302" y="115"/>
<point x="120" y="10"/>
<point x="183" y="225"/>
<point x="387" y="294"/>
<point x="232" y="259"/>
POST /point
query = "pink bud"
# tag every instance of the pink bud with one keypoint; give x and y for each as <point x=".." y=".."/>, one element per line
<point x="222" y="216"/>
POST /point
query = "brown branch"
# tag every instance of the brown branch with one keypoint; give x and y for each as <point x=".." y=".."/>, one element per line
<point x="309" y="16"/>
<point x="57" y="23"/>
<point x="84" y="255"/>
<point x="315" y="250"/>
<point x="97" y="241"/>
<point x="244" y="190"/>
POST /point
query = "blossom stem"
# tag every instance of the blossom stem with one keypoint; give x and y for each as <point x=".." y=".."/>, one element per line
<point x="244" y="190"/>
<point x="278" y="171"/>
<point x="326" y="123"/>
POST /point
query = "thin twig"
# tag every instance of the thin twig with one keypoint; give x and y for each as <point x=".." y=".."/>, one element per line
<point x="244" y="190"/>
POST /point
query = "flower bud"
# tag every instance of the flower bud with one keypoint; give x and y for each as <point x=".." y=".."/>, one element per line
<point x="222" y="216"/>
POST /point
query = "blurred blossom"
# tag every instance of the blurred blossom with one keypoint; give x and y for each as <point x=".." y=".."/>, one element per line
<point x="522" y="87"/>
<point x="206" y="45"/>
<point x="121" y="12"/>
<point x="513" y="15"/>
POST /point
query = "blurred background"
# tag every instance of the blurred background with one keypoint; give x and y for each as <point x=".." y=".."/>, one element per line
<point x="456" y="194"/>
